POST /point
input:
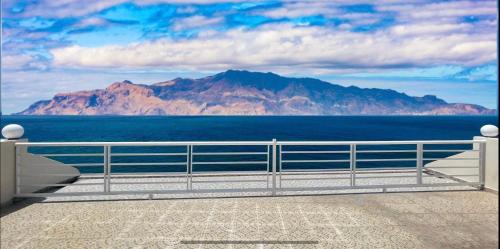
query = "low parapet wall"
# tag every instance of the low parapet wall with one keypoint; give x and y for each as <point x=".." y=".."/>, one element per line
<point x="491" y="163"/>
<point x="463" y="166"/>
<point x="32" y="165"/>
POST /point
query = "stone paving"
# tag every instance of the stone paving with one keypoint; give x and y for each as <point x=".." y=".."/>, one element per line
<point x="452" y="219"/>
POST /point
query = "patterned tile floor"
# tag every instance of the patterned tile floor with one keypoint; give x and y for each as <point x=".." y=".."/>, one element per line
<point x="453" y="219"/>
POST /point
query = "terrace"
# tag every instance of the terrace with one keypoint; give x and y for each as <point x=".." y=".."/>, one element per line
<point x="452" y="219"/>
<point x="284" y="194"/>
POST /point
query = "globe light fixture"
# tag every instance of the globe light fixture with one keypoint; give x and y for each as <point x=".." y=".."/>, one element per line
<point x="489" y="131"/>
<point x="12" y="131"/>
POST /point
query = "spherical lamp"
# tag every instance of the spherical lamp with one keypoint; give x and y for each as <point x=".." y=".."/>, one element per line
<point x="489" y="131"/>
<point x="13" y="131"/>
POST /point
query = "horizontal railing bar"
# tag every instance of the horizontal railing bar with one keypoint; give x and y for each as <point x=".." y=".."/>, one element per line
<point x="249" y="162"/>
<point x="124" y="144"/>
<point x="215" y="181"/>
<point x="387" y="176"/>
<point x="297" y="171"/>
<point x="85" y="164"/>
<point x="242" y="173"/>
<point x="449" y="150"/>
<point x="448" y="175"/>
<point x="386" y="160"/>
<point x="57" y="174"/>
<point x="227" y="153"/>
<point x="148" y="154"/>
<point x="448" y="158"/>
<point x="62" y="184"/>
<point x="344" y="172"/>
<point x="315" y="178"/>
<point x="72" y="154"/>
<point x="380" y="142"/>
<point x="315" y="152"/>
<point x="360" y="170"/>
<point x="194" y="191"/>
<point x="381" y="186"/>
<point x="451" y="167"/>
<point x="146" y="183"/>
<point x="68" y="165"/>
<point x="412" y="168"/>
<point x="84" y="175"/>
<point x="314" y="161"/>
<point x="123" y="175"/>
<point x="265" y="190"/>
<point x="231" y="173"/>
<point x="183" y="174"/>
<point x="384" y="151"/>
<point x="228" y="143"/>
<point x="148" y="164"/>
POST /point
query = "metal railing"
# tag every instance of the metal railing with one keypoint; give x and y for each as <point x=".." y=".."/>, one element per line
<point x="268" y="167"/>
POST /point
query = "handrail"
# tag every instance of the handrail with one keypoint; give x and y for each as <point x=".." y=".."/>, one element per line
<point x="392" y="142"/>
<point x="183" y="143"/>
<point x="228" y="143"/>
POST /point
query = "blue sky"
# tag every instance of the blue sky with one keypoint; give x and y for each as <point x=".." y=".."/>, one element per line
<point x="445" y="48"/>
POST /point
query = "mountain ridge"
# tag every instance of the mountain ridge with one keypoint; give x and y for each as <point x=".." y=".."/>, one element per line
<point x="235" y="92"/>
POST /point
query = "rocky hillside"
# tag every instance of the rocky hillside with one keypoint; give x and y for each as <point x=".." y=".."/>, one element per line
<point x="245" y="93"/>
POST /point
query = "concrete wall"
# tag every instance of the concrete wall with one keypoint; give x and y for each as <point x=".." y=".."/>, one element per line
<point x="29" y="164"/>
<point x="7" y="172"/>
<point x="491" y="169"/>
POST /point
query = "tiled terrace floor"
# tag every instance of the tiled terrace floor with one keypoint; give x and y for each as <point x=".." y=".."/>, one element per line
<point x="461" y="219"/>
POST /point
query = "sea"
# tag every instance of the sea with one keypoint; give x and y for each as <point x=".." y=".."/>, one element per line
<point x="247" y="128"/>
<point x="238" y="128"/>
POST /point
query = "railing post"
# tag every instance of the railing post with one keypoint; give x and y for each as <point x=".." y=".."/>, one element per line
<point x="188" y="157"/>
<point x="482" y="164"/>
<point x="267" y="170"/>
<point x="106" y="169"/>
<point x="280" y="164"/>
<point x="352" y="164"/>
<point x="274" y="167"/>
<point x="190" y="181"/>
<point x="420" y="162"/>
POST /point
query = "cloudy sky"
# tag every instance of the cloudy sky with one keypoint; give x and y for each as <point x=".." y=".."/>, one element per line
<point x="420" y="47"/>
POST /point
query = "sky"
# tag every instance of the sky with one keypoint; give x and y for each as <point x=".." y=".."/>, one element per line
<point x="443" y="48"/>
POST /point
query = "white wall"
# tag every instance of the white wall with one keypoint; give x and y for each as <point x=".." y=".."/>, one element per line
<point x="7" y="172"/>
<point x="491" y="164"/>
<point x="29" y="164"/>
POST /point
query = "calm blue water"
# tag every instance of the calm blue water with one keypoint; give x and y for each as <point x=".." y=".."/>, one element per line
<point x="224" y="128"/>
<point x="241" y="128"/>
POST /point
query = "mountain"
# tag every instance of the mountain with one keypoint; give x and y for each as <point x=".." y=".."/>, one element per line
<point x="245" y="93"/>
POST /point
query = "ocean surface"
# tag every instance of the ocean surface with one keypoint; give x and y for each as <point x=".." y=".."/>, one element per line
<point x="247" y="128"/>
<point x="240" y="128"/>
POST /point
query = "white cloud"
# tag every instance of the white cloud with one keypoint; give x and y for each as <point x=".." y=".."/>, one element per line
<point x="62" y="8"/>
<point x="186" y="10"/>
<point x="441" y="10"/>
<point x="16" y="61"/>
<point x="405" y="11"/>
<point x="304" y="8"/>
<point x="430" y="28"/>
<point x="91" y="21"/>
<point x="287" y="46"/>
<point x="72" y="8"/>
<point x="196" y="22"/>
